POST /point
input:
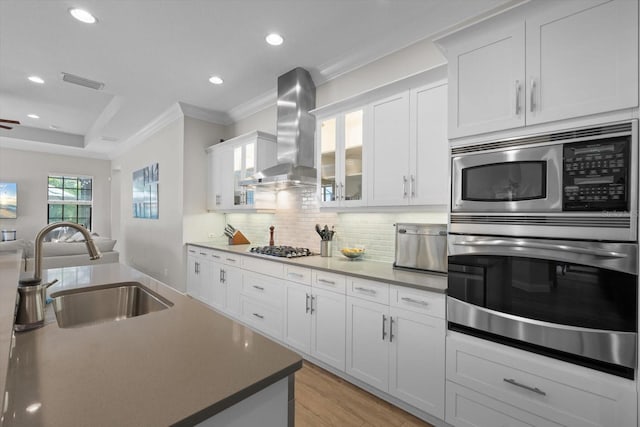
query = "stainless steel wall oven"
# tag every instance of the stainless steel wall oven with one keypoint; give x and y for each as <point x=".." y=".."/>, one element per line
<point x="542" y="245"/>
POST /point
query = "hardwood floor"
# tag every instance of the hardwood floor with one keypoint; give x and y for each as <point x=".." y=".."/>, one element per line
<point x="323" y="400"/>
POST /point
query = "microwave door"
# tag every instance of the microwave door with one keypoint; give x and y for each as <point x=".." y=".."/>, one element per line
<point x="518" y="180"/>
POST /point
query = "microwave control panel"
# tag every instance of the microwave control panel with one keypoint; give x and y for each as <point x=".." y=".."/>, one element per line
<point x="596" y="175"/>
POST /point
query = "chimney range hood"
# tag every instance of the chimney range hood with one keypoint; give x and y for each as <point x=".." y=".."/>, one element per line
<point x="295" y="135"/>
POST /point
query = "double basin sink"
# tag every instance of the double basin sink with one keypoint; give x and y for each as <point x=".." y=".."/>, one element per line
<point x="105" y="303"/>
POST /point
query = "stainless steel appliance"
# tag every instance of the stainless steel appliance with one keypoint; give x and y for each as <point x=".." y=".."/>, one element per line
<point x="421" y="247"/>
<point x="568" y="299"/>
<point x="576" y="184"/>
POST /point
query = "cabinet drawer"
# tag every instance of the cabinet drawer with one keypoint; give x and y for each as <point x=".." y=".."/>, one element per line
<point x="262" y="266"/>
<point x="297" y="274"/>
<point x="329" y="281"/>
<point x="368" y="289"/>
<point x="217" y="256"/>
<point x="425" y="302"/>
<point x="231" y="259"/>
<point x="568" y="394"/>
<point x="467" y="408"/>
<point x="262" y="317"/>
<point x="267" y="289"/>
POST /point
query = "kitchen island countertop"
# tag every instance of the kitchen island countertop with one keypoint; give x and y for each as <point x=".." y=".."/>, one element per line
<point x="373" y="270"/>
<point x="177" y="366"/>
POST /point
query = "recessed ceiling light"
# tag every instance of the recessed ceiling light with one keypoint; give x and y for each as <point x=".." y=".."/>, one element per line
<point x="33" y="116"/>
<point x="216" y="80"/>
<point x="274" y="39"/>
<point x="83" y="16"/>
<point x="36" y="79"/>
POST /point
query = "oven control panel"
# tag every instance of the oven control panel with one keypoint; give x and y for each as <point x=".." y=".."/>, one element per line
<point x="596" y="175"/>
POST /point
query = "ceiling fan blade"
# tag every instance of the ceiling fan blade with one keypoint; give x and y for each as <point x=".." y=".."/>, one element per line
<point x="15" y="122"/>
<point x="5" y="127"/>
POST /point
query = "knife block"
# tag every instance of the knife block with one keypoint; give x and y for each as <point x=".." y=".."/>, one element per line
<point x="238" y="239"/>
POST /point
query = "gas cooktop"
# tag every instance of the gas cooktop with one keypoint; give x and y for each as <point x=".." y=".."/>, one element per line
<point x="281" y="251"/>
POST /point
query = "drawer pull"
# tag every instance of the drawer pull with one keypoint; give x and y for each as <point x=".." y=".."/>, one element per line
<point x="526" y="387"/>
<point x="295" y="274"/>
<point x="231" y="260"/>
<point x="328" y="282"/>
<point x="215" y="256"/>
<point x="259" y="316"/>
<point x="369" y="291"/>
<point x="203" y="254"/>
<point x="415" y="301"/>
<point x="260" y="288"/>
<point x="192" y="251"/>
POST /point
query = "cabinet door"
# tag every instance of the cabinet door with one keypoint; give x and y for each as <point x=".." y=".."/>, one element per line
<point x="367" y="342"/>
<point x="388" y="162"/>
<point x="352" y="189"/>
<point x="487" y="74"/>
<point x="224" y="178"/>
<point x="328" y="322"/>
<point x="297" y="326"/>
<point x="233" y="284"/>
<point x="582" y="58"/>
<point x="217" y="294"/>
<point x="329" y="176"/>
<point x="429" y="175"/>
<point x="417" y="364"/>
<point x="193" y="278"/>
<point x="212" y="171"/>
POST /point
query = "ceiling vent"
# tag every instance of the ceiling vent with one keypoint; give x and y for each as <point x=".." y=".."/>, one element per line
<point x="81" y="81"/>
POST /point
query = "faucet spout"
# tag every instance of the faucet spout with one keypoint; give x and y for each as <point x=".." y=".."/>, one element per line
<point x="93" y="251"/>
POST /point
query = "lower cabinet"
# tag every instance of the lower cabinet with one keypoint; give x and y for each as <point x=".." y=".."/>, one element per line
<point x="489" y="384"/>
<point x="199" y="271"/>
<point x="314" y="323"/>
<point x="399" y="351"/>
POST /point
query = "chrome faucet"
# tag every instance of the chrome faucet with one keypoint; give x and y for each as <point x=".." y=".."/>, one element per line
<point x="94" y="253"/>
<point x="31" y="292"/>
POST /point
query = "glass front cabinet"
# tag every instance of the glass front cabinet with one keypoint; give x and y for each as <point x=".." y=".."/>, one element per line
<point x="234" y="160"/>
<point x="340" y="150"/>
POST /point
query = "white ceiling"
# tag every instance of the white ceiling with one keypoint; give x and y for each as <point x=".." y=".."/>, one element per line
<point x="153" y="53"/>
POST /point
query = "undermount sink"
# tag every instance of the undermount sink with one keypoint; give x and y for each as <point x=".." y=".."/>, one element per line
<point x="98" y="304"/>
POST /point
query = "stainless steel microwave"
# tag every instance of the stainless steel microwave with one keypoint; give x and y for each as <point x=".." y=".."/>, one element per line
<point x="578" y="183"/>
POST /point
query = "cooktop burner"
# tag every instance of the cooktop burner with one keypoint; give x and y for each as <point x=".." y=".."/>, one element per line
<point x="281" y="251"/>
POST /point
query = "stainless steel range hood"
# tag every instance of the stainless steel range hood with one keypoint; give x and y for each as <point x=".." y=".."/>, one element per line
<point x="295" y="135"/>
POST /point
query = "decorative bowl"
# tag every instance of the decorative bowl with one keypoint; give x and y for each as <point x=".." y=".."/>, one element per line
<point x="352" y="253"/>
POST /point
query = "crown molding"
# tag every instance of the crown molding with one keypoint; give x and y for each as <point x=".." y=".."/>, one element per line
<point x="170" y="115"/>
<point x="215" y="117"/>
<point x="48" y="148"/>
<point x="257" y="104"/>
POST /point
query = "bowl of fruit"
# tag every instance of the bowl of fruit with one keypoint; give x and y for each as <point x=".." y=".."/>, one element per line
<point x="352" y="253"/>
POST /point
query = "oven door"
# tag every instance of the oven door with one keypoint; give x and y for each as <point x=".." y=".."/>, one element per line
<point x="571" y="300"/>
<point x="515" y="180"/>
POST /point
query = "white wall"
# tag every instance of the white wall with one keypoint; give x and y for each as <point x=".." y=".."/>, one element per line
<point x="154" y="246"/>
<point x="30" y="169"/>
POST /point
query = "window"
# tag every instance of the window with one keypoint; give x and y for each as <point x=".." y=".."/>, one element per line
<point x="70" y="198"/>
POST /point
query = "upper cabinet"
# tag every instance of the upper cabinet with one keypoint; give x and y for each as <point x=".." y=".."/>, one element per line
<point x="340" y="150"/>
<point x="543" y="62"/>
<point x="232" y="161"/>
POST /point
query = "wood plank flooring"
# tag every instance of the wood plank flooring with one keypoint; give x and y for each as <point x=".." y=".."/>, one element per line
<point x="324" y="400"/>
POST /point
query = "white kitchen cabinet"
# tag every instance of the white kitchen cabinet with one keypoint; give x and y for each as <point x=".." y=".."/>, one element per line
<point x="398" y="348"/>
<point x="234" y="160"/>
<point x="315" y="323"/>
<point x="487" y="381"/>
<point x="543" y="62"/>
<point x="388" y="153"/>
<point x="340" y="156"/>
<point x="226" y="282"/>
<point x="199" y="273"/>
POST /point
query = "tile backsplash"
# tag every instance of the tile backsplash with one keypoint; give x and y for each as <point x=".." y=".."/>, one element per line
<point x="298" y="213"/>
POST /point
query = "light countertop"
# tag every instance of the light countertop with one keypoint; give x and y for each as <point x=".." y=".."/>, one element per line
<point x="177" y="366"/>
<point x="381" y="271"/>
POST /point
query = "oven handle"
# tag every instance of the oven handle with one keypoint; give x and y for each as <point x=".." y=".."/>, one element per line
<point x="553" y="247"/>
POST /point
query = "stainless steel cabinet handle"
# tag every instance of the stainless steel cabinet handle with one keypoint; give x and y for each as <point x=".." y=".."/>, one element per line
<point x="545" y="246"/>
<point x="203" y="253"/>
<point x="215" y="256"/>
<point x="412" y="186"/>
<point x="384" y="332"/>
<point x="526" y="387"/>
<point x="312" y="309"/>
<point x="341" y="191"/>
<point x="517" y="97"/>
<point x="295" y="274"/>
<point x="415" y="301"/>
<point x="217" y="199"/>
<point x="307" y="304"/>
<point x="197" y="267"/>
<point x="232" y="260"/>
<point x="328" y="282"/>
<point x="259" y="316"/>
<point x="404" y="186"/>
<point x="532" y="105"/>
<point x="390" y="328"/>
<point x="369" y="291"/>
<point x="192" y="251"/>
<point x="260" y="288"/>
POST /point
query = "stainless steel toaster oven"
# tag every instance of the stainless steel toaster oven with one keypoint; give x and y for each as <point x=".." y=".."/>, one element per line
<point x="421" y="247"/>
